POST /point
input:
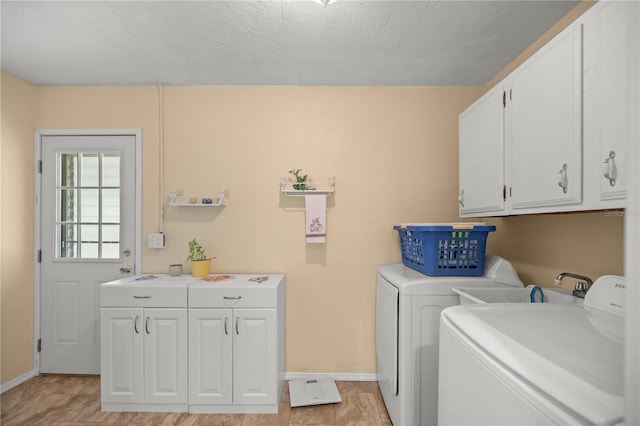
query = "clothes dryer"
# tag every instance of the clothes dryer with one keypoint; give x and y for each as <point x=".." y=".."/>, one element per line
<point x="408" y="308"/>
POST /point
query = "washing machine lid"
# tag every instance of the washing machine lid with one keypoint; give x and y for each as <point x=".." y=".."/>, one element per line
<point x="570" y="356"/>
<point x="498" y="271"/>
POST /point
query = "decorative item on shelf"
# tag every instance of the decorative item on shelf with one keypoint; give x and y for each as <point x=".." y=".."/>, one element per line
<point x="303" y="185"/>
<point x="315" y="199"/>
<point x="176" y="199"/>
<point x="200" y="263"/>
<point x="302" y="180"/>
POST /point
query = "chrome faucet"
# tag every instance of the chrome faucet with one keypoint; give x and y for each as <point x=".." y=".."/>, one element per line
<point x="582" y="286"/>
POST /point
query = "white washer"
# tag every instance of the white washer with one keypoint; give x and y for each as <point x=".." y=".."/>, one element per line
<point x="535" y="364"/>
<point x="407" y="319"/>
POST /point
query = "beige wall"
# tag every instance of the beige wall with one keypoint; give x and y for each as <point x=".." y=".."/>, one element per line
<point x="393" y="151"/>
<point x="16" y="245"/>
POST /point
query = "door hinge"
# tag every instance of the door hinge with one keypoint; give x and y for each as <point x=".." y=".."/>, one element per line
<point x="39" y="345"/>
<point x="39" y="256"/>
<point x="40" y="166"/>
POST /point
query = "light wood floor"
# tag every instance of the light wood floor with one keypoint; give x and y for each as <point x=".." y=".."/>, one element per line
<point x="63" y="400"/>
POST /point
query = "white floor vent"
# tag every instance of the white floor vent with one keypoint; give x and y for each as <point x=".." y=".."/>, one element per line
<point x="313" y="392"/>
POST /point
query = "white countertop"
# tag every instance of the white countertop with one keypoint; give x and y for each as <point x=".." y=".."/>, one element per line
<point x="226" y="280"/>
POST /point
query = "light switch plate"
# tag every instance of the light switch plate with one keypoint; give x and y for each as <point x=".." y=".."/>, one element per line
<point x="156" y="240"/>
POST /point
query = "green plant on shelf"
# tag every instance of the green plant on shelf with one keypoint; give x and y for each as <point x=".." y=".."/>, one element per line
<point x="301" y="184"/>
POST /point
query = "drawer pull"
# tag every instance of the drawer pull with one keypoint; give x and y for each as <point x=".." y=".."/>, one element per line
<point x="232" y="298"/>
<point x="142" y="297"/>
<point x="146" y="325"/>
<point x="226" y="322"/>
<point x="237" y="321"/>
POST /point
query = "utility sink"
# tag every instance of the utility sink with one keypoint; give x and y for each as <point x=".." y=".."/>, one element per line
<point x="470" y="295"/>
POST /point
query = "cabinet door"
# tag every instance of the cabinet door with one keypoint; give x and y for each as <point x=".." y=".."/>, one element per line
<point x="121" y="355"/>
<point x="210" y="356"/>
<point x="481" y="155"/>
<point x="545" y="125"/>
<point x="255" y="368"/>
<point x="610" y="62"/>
<point x="165" y="355"/>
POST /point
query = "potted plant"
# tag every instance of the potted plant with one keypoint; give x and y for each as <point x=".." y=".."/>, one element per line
<point x="301" y="184"/>
<point x="200" y="263"/>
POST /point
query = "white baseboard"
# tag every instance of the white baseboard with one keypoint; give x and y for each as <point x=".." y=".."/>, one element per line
<point x="18" y="380"/>
<point x="340" y="377"/>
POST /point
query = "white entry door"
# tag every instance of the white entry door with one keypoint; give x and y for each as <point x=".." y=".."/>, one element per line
<point x="88" y="220"/>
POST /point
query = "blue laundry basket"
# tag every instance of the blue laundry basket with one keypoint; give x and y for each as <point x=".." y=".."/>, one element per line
<point x="444" y="249"/>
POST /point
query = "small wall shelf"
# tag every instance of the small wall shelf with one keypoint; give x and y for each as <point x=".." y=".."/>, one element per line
<point x="176" y="200"/>
<point x="315" y="187"/>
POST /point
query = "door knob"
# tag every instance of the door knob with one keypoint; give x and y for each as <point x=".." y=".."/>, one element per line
<point x="125" y="269"/>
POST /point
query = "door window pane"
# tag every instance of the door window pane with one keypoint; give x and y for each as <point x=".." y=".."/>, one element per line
<point x="67" y="173"/>
<point x="88" y="197"/>
<point x="90" y="209"/>
<point x="111" y="205"/>
<point x="68" y="207"/>
<point x="111" y="169"/>
<point x="89" y="244"/>
<point x="110" y="241"/>
<point x="90" y="168"/>
<point x="67" y="241"/>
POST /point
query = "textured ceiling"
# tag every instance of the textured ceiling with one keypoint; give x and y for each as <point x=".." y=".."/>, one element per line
<point x="268" y="42"/>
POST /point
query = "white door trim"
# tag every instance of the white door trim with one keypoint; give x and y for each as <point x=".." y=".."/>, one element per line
<point x="38" y="135"/>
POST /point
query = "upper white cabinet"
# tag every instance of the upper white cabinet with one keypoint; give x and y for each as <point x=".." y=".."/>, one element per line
<point x="610" y="64"/>
<point x="481" y="158"/>
<point x="545" y="125"/>
<point x="567" y="120"/>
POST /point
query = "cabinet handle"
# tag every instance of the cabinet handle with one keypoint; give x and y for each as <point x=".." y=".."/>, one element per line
<point x="237" y="321"/>
<point x="232" y="298"/>
<point x="610" y="170"/>
<point x="142" y="297"/>
<point x="146" y="325"/>
<point x="135" y="324"/>
<point x="226" y="321"/>
<point x="461" y="198"/>
<point x="563" y="181"/>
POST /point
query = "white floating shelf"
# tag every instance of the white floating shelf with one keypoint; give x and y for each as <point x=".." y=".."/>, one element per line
<point x="314" y="187"/>
<point x="176" y="200"/>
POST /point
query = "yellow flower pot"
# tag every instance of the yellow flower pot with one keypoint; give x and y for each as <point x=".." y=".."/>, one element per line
<point x="200" y="268"/>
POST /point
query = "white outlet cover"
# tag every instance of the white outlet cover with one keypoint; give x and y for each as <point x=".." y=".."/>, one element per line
<point x="156" y="240"/>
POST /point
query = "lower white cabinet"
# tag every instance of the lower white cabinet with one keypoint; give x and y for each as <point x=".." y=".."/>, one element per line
<point x="184" y="344"/>
<point x="144" y="359"/>
<point x="232" y="359"/>
<point x="236" y="345"/>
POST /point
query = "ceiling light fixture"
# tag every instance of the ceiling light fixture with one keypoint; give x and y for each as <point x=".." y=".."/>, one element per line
<point x="324" y="3"/>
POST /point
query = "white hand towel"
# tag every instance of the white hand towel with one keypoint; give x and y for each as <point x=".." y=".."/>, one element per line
<point x="316" y="218"/>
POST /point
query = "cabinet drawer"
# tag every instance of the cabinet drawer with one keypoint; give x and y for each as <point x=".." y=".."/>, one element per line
<point x="203" y="297"/>
<point x="149" y="297"/>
